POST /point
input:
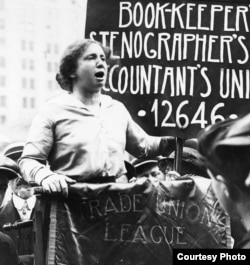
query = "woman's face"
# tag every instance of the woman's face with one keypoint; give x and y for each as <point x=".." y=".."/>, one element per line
<point x="91" y="72"/>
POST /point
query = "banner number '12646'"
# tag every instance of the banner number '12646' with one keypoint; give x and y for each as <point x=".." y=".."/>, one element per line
<point x="182" y="120"/>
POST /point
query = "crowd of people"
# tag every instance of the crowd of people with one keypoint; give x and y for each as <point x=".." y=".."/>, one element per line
<point x="16" y="207"/>
<point x="83" y="136"/>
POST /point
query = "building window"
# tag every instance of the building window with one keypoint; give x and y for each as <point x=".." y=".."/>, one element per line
<point x="2" y="81"/>
<point x="2" y="101"/>
<point x="32" y="83"/>
<point x="29" y="103"/>
<point x="2" y="119"/>
<point x="32" y="103"/>
<point x="31" y="65"/>
<point x="25" y="105"/>
<point x="23" y="64"/>
<point x="24" y="83"/>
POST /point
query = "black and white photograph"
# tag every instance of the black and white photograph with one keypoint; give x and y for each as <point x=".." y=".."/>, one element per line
<point x="124" y="132"/>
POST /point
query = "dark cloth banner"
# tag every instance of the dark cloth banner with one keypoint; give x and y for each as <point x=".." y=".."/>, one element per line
<point x="135" y="223"/>
<point x="177" y="65"/>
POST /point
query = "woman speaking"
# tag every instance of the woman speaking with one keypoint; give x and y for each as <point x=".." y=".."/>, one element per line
<point x="82" y="135"/>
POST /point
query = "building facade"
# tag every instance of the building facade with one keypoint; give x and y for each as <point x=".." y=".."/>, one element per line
<point x="33" y="36"/>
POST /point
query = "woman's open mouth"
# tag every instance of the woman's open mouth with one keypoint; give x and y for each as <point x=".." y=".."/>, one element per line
<point x="100" y="75"/>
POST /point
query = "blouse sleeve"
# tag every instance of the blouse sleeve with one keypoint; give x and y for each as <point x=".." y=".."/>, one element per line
<point x="37" y="148"/>
<point x="138" y="142"/>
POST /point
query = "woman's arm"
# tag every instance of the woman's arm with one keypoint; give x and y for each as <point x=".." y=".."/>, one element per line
<point x="33" y="163"/>
<point x="37" y="148"/>
<point x="142" y="145"/>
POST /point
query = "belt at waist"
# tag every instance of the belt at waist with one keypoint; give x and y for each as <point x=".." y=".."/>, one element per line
<point x="108" y="179"/>
<point x="100" y="180"/>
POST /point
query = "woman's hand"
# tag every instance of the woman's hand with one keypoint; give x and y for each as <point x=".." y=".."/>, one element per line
<point x="57" y="183"/>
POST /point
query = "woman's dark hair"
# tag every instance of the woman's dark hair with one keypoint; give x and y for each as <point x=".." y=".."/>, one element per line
<point x="68" y="63"/>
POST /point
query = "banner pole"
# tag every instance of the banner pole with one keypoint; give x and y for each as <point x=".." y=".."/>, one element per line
<point x="178" y="155"/>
